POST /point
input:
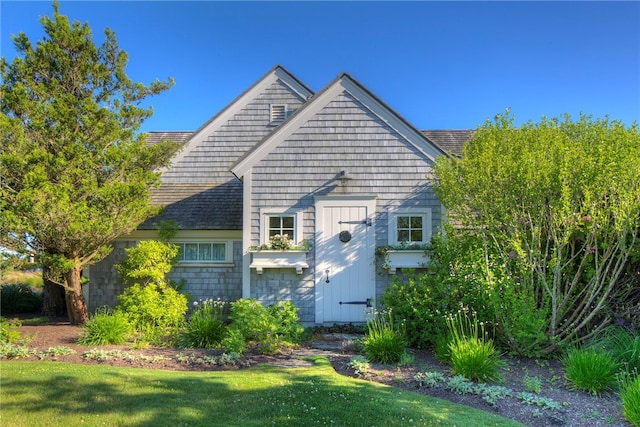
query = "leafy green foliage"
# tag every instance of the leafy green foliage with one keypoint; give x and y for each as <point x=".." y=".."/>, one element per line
<point x="9" y="330"/>
<point x="14" y="351"/>
<point x="555" y="205"/>
<point x="455" y="277"/>
<point x="623" y="346"/>
<point x="360" y="365"/>
<point x="385" y="341"/>
<point x="630" y="395"/>
<point x="234" y="341"/>
<point x="265" y="329"/>
<point x="148" y="262"/>
<point x="105" y="327"/>
<point x="285" y="315"/>
<point x="19" y="298"/>
<point x="56" y="351"/>
<point x="206" y="327"/>
<point x="590" y="369"/>
<point x="153" y="309"/>
<point x="532" y="384"/>
<point x="472" y="354"/>
<point x="75" y="169"/>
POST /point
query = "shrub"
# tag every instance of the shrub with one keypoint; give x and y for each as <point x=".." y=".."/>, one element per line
<point x="148" y="262"/>
<point x="153" y="310"/>
<point x="285" y="314"/>
<point x="206" y="327"/>
<point x="385" y="342"/>
<point x="19" y="298"/>
<point x="9" y="330"/>
<point x="590" y="369"/>
<point x="267" y="330"/>
<point x="105" y="327"/>
<point x="234" y="341"/>
<point x="455" y="276"/>
<point x="630" y="396"/>
<point x="250" y="318"/>
<point x="472" y="354"/>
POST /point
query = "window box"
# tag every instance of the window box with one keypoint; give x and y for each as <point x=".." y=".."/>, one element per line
<point x="279" y="259"/>
<point x="409" y="258"/>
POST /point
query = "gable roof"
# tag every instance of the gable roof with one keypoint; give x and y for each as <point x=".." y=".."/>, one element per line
<point x="198" y="206"/>
<point x="451" y="141"/>
<point x="155" y="137"/>
<point x="344" y="82"/>
<point x="277" y="73"/>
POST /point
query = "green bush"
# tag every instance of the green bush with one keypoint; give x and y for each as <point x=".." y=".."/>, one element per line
<point x="148" y="262"/>
<point x="385" y="341"/>
<point x="105" y="327"/>
<point x="19" y="298"/>
<point x="623" y="345"/>
<point x="455" y="277"/>
<point x="153" y="310"/>
<point x="471" y="353"/>
<point x="590" y="369"/>
<point x="285" y="314"/>
<point x="9" y="330"/>
<point x="630" y="396"/>
<point x="234" y="341"/>
<point x="265" y="329"/>
<point x="206" y="327"/>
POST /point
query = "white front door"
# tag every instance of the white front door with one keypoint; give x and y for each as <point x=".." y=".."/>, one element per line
<point x="345" y="258"/>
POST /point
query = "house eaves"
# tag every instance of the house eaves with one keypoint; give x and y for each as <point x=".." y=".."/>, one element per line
<point x="276" y="73"/>
<point x="344" y="82"/>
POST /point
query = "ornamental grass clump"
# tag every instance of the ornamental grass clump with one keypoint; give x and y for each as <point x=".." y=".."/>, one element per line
<point x="206" y="327"/>
<point x="471" y="353"/>
<point x="106" y="327"/>
<point x="591" y="369"/>
<point x="623" y="345"/>
<point x="630" y="396"/>
<point x="385" y="341"/>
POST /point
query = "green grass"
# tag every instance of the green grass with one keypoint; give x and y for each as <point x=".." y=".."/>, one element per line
<point x="63" y="394"/>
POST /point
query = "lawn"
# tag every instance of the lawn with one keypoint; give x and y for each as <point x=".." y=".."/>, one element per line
<point x="63" y="394"/>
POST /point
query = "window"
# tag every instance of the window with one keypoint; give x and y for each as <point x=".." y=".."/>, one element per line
<point x="280" y="222"/>
<point x="281" y="225"/>
<point x="278" y="113"/>
<point x="202" y="252"/>
<point x="410" y="227"/>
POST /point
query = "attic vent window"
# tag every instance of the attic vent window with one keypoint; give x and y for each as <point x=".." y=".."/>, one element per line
<point x="278" y="113"/>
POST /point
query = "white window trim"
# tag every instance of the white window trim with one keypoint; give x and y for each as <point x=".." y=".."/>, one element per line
<point x="393" y="224"/>
<point x="265" y="213"/>
<point x="228" y="255"/>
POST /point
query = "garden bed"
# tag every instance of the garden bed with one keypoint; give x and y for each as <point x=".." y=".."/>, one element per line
<point x="575" y="408"/>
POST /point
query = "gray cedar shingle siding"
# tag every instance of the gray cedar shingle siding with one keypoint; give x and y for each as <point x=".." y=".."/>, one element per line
<point x="344" y="135"/>
<point x="211" y="160"/>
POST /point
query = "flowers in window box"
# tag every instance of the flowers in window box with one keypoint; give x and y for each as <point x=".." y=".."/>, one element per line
<point x="283" y="243"/>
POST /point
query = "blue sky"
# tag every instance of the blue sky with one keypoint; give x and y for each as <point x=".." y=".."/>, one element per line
<point x="441" y="65"/>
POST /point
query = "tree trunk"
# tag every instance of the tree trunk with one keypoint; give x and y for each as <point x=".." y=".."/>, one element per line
<point x="76" y="305"/>
<point x="53" y="304"/>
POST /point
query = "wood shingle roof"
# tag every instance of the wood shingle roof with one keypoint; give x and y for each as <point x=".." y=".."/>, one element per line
<point x="199" y="206"/>
<point x="450" y="141"/>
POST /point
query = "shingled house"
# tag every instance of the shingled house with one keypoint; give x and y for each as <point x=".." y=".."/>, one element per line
<point x="338" y="170"/>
